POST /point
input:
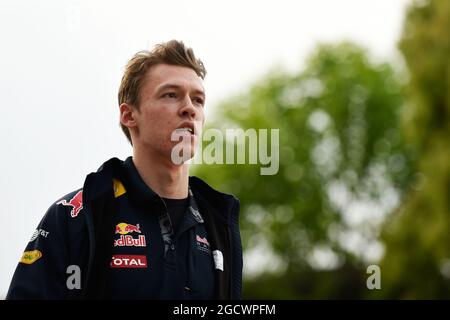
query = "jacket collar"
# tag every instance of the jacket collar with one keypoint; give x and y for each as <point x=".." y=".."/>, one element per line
<point x="220" y="203"/>
<point x="99" y="183"/>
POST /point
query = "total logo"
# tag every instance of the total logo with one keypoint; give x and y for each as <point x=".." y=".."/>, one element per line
<point x="128" y="261"/>
<point x="125" y="228"/>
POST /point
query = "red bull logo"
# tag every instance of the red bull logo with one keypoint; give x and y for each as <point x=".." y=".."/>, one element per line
<point x="129" y="241"/>
<point x="202" y="244"/>
<point x="125" y="228"/>
<point x="202" y="240"/>
<point x="76" y="203"/>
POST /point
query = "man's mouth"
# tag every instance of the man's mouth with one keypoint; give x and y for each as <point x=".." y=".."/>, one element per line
<point x="190" y="130"/>
<point x="187" y="127"/>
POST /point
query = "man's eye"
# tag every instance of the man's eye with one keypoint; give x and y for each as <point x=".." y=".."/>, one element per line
<point x="199" y="101"/>
<point x="170" y="95"/>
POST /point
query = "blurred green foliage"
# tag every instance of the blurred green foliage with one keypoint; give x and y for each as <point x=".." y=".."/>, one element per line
<point x="339" y="143"/>
<point x="417" y="237"/>
<point x="344" y="168"/>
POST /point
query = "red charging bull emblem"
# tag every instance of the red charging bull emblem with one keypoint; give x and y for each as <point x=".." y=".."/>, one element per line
<point x="125" y="228"/>
<point x="76" y="203"/>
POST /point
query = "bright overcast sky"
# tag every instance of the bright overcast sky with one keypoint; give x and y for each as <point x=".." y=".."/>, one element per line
<point x="61" y="62"/>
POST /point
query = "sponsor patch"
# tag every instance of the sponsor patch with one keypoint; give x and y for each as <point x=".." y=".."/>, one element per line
<point x="30" y="257"/>
<point x="37" y="233"/>
<point x="129" y="241"/>
<point x="218" y="259"/>
<point x="76" y="203"/>
<point x="202" y="244"/>
<point x="128" y="261"/>
<point x="118" y="187"/>
<point x="125" y="228"/>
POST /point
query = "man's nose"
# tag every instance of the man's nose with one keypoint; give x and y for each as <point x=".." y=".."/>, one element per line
<point x="188" y="109"/>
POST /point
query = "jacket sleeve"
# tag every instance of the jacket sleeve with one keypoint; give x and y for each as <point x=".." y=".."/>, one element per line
<point x="41" y="272"/>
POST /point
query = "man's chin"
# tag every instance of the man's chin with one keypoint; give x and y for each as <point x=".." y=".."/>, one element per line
<point x="181" y="154"/>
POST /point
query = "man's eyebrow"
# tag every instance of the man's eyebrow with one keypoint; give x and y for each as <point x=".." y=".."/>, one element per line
<point x="176" y="86"/>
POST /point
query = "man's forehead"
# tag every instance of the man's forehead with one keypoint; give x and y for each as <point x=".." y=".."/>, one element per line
<point x="163" y="76"/>
<point x="176" y="86"/>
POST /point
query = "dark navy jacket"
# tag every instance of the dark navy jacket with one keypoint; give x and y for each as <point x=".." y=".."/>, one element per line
<point x="114" y="234"/>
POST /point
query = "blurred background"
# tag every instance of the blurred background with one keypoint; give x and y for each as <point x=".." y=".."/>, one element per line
<point x="359" y="90"/>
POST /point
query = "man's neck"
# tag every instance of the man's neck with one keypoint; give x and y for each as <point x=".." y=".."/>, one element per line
<point x="162" y="176"/>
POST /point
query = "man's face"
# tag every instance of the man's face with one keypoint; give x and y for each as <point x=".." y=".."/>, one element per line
<point x="171" y="102"/>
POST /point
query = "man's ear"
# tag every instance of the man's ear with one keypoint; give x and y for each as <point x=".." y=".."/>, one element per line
<point x="127" y="115"/>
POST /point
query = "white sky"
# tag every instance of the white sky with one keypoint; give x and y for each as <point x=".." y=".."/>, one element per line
<point x="61" y="62"/>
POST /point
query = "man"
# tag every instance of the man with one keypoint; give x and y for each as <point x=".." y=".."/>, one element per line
<point x="142" y="228"/>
